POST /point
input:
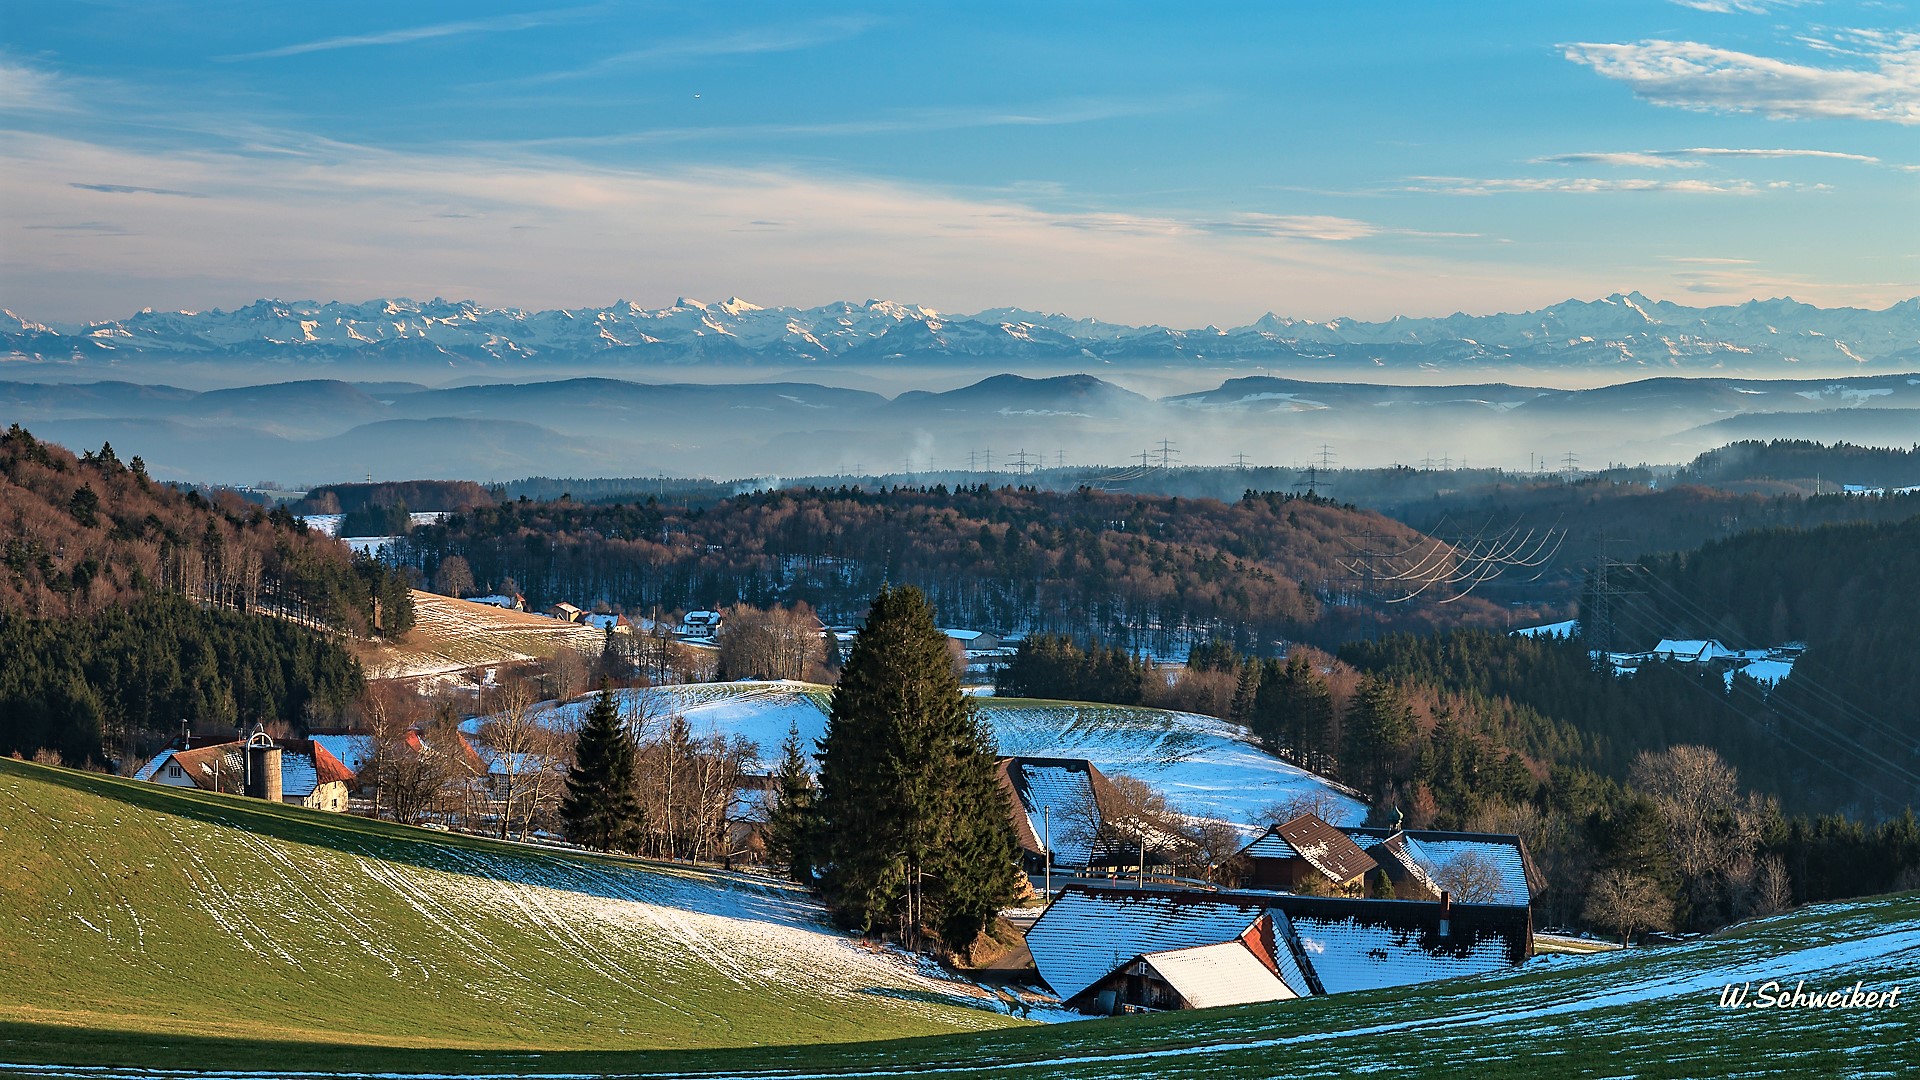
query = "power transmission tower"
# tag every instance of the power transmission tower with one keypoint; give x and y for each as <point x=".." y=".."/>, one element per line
<point x="1020" y="464"/>
<point x="1060" y="458"/>
<point x="1240" y="462"/>
<point x="1167" y="453"/>
<point x="1609" y="575"/>
<point x="1146" y="458"/>
<point x="1571" y="461"/>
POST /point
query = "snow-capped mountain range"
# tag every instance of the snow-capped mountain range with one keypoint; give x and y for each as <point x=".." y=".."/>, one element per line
<point x="1627" y="330"/>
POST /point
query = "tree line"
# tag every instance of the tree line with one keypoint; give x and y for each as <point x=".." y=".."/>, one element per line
<point x="111" y="685"/>
<point x="1136" y="571"/>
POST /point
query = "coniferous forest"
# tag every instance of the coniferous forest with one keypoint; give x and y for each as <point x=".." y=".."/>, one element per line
<point x="128" y="608"/>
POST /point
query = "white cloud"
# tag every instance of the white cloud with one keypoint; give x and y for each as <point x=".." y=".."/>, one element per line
<point x="543" y="232"/>
<point x="1460" y="185"/>
<point x="26" y="89"/>
<point x="1739" y="7"/>
<point x="1692" y="157"/>
<point x="410" y="34"/>
<point x="1884" y="85"/>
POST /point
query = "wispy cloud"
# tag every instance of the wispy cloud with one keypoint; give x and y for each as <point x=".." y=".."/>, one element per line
<point x="1045" y="114"/>
<point x="1460" y="185"/>
<point x="1739" y="7"/>
<point x="555" y="233"/>
<point x="768" y="39"/>
<point x="1692" y="157"/>
<point x="134" y="189"/>
<point x="1883" y="84"/>
<point x="29" y="89"/>
<point x="408" y="35"/>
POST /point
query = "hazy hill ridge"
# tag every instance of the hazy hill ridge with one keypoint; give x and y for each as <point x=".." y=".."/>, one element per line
<point x="1620" y="330"/>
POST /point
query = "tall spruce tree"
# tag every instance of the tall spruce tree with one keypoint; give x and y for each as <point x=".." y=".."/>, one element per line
<point x="914" y="831"/>
<point x="790" y="818"/>
<point x="600" y="809"/>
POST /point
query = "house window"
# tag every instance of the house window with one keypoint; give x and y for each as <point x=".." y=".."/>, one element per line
<point x="173" y="770"/>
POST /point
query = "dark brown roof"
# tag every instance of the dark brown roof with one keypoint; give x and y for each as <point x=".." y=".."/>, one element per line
<point x="1326" y="848"/>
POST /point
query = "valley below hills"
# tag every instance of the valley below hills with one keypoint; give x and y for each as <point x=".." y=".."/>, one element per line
<point x="317" y="431"/>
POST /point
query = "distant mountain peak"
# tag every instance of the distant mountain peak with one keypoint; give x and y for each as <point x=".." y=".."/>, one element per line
<point x="1619" y="330"/>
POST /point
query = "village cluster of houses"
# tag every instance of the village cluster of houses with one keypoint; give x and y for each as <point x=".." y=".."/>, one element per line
<point x="1766" y="666"/>
<point x="1304" y="908"/>
<point x="1308" y="908"/>
<point x="327" y="770"/>
<point x="985" y="651"/>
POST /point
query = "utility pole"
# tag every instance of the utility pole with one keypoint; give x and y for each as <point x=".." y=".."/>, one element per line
<point x="1046" y="825"/>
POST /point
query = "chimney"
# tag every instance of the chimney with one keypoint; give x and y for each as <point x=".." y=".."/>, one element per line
<point x="1446" y="912"/>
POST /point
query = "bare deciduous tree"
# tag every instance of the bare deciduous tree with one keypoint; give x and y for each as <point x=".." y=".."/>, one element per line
<point x="774" y="643"/>
<point x="1626" y="902"/>
<point x="1472" y="878"/>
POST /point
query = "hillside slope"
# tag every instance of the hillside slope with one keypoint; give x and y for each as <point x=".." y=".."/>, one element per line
<point x="132" y="908"/>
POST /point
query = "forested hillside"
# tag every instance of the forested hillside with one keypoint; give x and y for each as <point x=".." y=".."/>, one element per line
<point x="128" y="608"/>
<point x="1831" y="466"/>
<point x="1838" y="733"/>
<point x="82" y="534"/>
<point x="1128" y="570"/>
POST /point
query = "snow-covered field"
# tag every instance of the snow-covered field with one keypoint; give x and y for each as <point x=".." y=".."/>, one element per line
<point x="1201" y="764"/>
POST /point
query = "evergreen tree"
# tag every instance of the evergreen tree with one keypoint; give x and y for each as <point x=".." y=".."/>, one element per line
<point x="789" y="836"/>
<point x="600" y="809"/>
<point x="914" y="830"/>
<point x="1379" y="731"/>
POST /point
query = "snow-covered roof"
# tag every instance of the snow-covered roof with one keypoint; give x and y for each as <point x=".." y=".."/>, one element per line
<point x="1212" y="975"/>
<point x="151" y="768"/>
<point x="1434" y="858"/>
<point x="353" y="751"/>
<point x="1086" y="933"/>
<point x="962" y="635"/>
<point x="1353" y="954"/>
<point x="1694" y="650"/>
<point x="603" y="622"/>
<point x="1320" y="945"/>
<point x="1058" y="798"/>
<point x="1269" y="845"/>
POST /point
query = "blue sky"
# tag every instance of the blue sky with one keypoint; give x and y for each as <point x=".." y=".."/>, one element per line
<point x="1182" y="164"/>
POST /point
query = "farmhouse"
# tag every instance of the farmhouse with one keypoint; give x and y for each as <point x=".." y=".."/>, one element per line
<point x="974" y="641"/>
<point x="1475" y="868"/>
<point x="1066" y="806"/>
<point x="304" y="772"/>
<point x="511" y="602"/>
<point x="1109" y="950"/>
<point x="1691" y="650"/>
<point x="1305" y="854"/>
